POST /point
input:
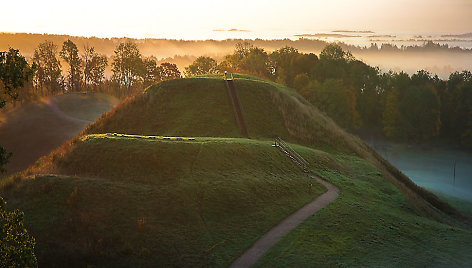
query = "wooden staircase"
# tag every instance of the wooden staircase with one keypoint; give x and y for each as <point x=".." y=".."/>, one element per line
<point x="237" y="107"/>
<point x="291" y="154"/>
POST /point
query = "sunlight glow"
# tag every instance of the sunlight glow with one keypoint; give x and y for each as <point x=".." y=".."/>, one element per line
<point x="263" y="19"/>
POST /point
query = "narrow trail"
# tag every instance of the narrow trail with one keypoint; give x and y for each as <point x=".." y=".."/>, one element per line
<point x="268" y="240"/>
<point x="50" y="102"/>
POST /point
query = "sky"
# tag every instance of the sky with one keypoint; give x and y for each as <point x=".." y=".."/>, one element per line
<point x="198" y="19"/>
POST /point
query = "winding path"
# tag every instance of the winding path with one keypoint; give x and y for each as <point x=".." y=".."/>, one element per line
<point x="275" y="234"/>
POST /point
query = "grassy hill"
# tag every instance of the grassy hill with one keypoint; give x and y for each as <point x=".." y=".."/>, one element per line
<point x="114" y="201"/>
<point x="35" y="129"/>
<point x="200" y="107"/>
<point x="129" y="202"/>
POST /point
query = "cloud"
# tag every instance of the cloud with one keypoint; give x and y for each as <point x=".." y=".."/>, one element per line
<point x="382" y="36"/>
<point x="466" y="35"/>
<point x="230" y="30"/>
<point x="326" y="35"/>
<point x="350" y="31"/>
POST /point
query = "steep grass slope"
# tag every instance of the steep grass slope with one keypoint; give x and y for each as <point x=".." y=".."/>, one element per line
<point x="36" y="129"/>
<point x="133" y="202"/>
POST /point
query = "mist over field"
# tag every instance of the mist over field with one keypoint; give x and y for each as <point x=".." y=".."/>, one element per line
<point x="432" y="167"/>
<point x="437" y="60"/>
<point x="440" y="63"/>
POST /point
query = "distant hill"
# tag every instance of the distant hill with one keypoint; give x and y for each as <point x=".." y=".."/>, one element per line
<point x="118" y="201"/>
<point x="35" y="129"/>
<point x="465" y="35"/>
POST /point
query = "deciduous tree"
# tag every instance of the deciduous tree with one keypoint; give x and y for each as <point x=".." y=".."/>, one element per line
<point x="70" y="54"/>
<point x="47" y="72"/>
<point x="127" y="66"/>
<point x="94" y="67"/>
<point x="168" y="71"/>
<point x="202" y="65"/>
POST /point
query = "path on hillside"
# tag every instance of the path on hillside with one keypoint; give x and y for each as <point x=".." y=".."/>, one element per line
<point x="268" y="240"/>
<point x="50" y="102"/>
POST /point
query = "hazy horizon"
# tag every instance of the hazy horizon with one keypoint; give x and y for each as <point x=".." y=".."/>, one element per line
<point x="208" y="19"/>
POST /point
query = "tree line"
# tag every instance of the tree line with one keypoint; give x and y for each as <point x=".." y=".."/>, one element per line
<point x="85" y="71"/>
<point x="409" y="108"/>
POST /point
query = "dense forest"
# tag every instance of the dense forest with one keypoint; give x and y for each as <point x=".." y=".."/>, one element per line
<point x="410" y="108"/>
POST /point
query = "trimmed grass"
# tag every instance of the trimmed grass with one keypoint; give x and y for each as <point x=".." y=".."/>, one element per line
<point x="136" y="202"/>
<point x="370" y="224"/>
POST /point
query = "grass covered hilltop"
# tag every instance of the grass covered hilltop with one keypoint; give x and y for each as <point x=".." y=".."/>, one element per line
<point x="109" y="201"/>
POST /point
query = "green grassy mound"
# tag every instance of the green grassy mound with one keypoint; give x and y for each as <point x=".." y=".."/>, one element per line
<point x="200" y="107"/>
<point x="133" y="202"/>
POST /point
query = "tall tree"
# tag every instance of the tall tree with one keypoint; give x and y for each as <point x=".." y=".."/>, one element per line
<point x="420" y="109"/>
<point x="333" y="62"/>
<point x="337" y="100"/>
<point x="202" y="65"/>
<point x="94" y="66"/>
<point x="70" y="54"/>
<point x="14" y="72"/>
<point x="334" y="52"/>
<point x="459" y="107"/>
<point x="391" y="115"/>
<point x="127" y="66"/>
<point x="152" y="74"/>
<point x="169" y="71"/>
<point x="256" y="62"/>
<point x="47" y="75"/>
<point x="233" y="62"/>
<point x="280" y="64"/>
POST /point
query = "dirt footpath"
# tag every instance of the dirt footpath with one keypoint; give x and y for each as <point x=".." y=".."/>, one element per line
<point x="275" y="234"/>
